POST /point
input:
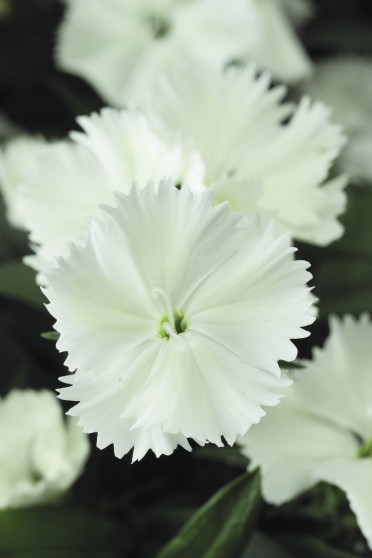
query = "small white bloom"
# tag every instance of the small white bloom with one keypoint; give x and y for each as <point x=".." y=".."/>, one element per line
<point x="345" y="84"/>
<point x="17" y="160"/>
<point x="175" y="316"/>
<point x="254" y="160"/>
<point x="40" y="456"/>
<point x="322" y="430"/>
<point x="73" y="177"/>
<point x="121" y="46"/>
<point x="278" y="48"/>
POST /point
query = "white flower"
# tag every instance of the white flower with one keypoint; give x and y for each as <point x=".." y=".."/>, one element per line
<point x="73" y="178"/>
<point x="322" y="430"/>
<point x="17" y="160"/>
<point x="121" y="46"/>
<point x="253" y="159"/>
<point x="278" y="48"/>
<point x="40" y="455"/>
<point x="345" y="84"/>
<point x="175" y="316"/>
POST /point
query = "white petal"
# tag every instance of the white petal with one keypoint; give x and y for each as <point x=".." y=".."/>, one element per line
<point x="336" y="81"/>
<point x="336" y="384"/>
<point x="17" y="160"/>
<point x="72" y="180"/>
<point x="128" y="150"/>
<point x="300" y="158"/>
<point x="333" y="205"/>
<point x="289" y="444"/>
<point x="56" y="200"/>
<point x="279" y="49"/>
<point x="226" y="115"/>
<point x="253" y="158"/>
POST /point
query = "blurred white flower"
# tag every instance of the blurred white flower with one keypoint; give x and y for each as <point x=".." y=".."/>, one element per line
<point x="278" y="48"/>
<point x="121" y="46"/>
<point x="345" y="84"/>
<point x="254" y="157"/>
<point x="17" y="160"/>
<point x="74" y="177"/>
<point x="175" y="316"/>
<point x="322" y="430"/>
<point x="40" y="455"/>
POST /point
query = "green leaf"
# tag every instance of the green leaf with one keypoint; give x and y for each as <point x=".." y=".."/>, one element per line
<point x="344" y="285"/>
<point x="308" y="547"/>
<point x="357" y="239"/>
<point x="60" y="532"/>
<point x="50" y="335"/>
<point x="223" y="526"/>
<point x="64" y="554"/>
<point x="263" y="547"/>
<point x="343" y="271"/>
<point x="230" y="456"/>
<point x="18" y="281"/>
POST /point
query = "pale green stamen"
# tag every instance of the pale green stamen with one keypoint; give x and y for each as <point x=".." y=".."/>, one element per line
<point x="167" y="330"/>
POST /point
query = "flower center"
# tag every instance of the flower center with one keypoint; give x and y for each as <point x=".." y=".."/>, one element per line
<point x="160" y="26"/>
<point x="365" y="450"/>
<point x="172" y="326"/>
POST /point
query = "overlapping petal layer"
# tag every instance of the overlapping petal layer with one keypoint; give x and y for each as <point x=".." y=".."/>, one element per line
<point x="241" y="128"/>
<point x="73" y="177"/>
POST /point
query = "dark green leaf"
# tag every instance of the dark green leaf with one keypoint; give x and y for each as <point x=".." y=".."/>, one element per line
<point x="50" y="335"/>
<point x="67" y="531"/>
<point x="357" y="239"/>
<point x="223" y="526"/>
<point x="344" y="285"/>
<point x="64" y="554"/>
<point x="343" y="272"/>
<point x="308" y="547"/>
<point x="18" y="281"/>
<point x="263" y="547"/>
<point x="230" y="456"/>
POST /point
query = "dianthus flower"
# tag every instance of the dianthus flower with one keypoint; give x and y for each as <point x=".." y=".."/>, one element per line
<point x="260" y="154"/>
<point x="174" y="316"/>
<point x="322" y="430"/>
<point x="121" y="46"/>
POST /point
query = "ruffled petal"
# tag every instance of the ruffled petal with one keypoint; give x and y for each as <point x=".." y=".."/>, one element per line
<point x="289" y="444"/>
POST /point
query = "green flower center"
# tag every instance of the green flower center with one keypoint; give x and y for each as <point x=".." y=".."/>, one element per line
<point x="160" y="26"/>
<point x="177" y="324"/>
<point x="365" y="450"/>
